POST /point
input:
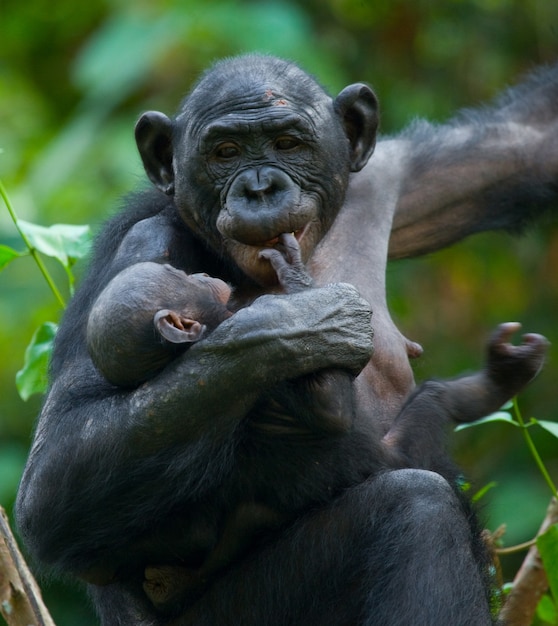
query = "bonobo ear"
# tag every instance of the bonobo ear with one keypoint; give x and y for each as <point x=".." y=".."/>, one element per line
<point x="176" y="328"/>
<point x="154" y="141"/>
<point x="357" y="106"/>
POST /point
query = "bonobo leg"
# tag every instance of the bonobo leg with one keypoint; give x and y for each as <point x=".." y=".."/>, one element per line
<point x="169" y="586"/>
<point x="395" y="550"/>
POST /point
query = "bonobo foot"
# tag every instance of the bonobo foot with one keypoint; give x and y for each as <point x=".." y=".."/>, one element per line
<point x="512" y="367"/>
<point x="168" y="586"/>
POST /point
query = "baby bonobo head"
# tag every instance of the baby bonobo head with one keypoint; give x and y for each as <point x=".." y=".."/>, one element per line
<point x="147" y="315"/>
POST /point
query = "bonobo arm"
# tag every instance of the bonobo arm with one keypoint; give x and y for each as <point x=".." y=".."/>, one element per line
<point x="323" y="402"/>
<point x="487" y="169"/>
<point x="416" y="432"/>
<point x="106" y="463"/>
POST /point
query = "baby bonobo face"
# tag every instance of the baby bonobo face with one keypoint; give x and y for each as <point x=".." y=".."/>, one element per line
<point x="220" y="289"/>
<point x="215" y="287"/>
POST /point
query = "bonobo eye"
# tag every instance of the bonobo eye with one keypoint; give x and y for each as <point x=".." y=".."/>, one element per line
<point x="227" y="151"/>
<point x="286" y="142"/>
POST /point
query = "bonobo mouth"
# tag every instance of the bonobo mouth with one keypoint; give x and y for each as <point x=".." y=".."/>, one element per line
<point x="270" y="243"/>
<point x="247" y="255"/>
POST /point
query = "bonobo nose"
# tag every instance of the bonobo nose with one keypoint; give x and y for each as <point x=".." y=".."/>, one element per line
<point x="261" y="203"/>
<point x="262" y="182"/>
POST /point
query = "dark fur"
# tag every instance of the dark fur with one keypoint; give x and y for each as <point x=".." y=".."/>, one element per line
<point x="109" y="467"/>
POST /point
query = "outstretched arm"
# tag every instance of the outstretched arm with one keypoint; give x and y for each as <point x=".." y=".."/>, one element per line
<point x="418" y="432"/>
<point x="487" y="169"/>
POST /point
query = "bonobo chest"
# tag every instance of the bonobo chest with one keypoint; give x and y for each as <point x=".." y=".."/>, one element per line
<point x="361" y="261"/>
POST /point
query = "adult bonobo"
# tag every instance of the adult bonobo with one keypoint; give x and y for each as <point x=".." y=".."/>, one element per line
<point x="258" y="149"/>
<point x="150" y="313"/>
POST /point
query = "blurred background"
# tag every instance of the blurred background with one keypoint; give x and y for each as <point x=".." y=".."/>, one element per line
<point x="74" y="77"/>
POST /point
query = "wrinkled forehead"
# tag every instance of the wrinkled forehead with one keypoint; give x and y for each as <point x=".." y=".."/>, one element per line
<point x="249" y="86"/>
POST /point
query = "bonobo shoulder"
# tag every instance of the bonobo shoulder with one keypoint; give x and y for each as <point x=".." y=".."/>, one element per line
<point x="148" y="240"/>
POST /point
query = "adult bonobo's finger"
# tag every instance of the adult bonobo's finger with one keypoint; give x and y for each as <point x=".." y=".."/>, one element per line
<point x="274" y="257"/>
<point x="292" y="248"/>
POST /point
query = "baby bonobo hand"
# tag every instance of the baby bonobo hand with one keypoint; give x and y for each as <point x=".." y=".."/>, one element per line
<point x="512" y="367"/>
<point x="287" y="263"/>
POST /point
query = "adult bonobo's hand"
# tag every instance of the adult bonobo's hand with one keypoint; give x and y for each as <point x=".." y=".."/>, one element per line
<point x="326" y="327"/>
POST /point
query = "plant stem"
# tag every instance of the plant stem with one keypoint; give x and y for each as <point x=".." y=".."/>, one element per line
<point x="533" y="449"/>
<point x="513" y="549"/>
<point x="31" y="248"/>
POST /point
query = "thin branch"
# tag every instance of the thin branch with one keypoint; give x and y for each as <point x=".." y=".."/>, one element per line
<point x="530" y="582"/>
<point x="21" y="603"/>
<point x="520" y="547"/>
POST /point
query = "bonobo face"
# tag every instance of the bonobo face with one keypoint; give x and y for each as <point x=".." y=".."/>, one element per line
<point x="259" y="149"/>
<point x="213" y="287"/>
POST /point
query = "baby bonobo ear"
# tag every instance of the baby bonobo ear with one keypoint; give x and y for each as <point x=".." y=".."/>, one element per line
<point x="176" y="328"/>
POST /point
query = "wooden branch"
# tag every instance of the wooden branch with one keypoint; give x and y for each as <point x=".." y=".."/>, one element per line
<point x="530" y="582"/>
<point x="21" y="603"/>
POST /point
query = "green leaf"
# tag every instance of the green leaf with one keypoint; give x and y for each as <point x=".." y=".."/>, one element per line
<point x="7" y="254"/>
<point x="551" y="427"/>
<point x="506" y="588"/>
<point x="32" y="378"/>
<point x="137" y="40"/>
<point x="484" y="490"/>
<point x="547" y="610"/>
<point x="547" y="544"/>
<point x="499" y="416"/>
<point x="64" y="242"/>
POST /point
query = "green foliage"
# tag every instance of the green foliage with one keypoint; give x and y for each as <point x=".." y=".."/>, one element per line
<point x="547" y="611"/>
<point x="547" y="543"/>
<point x="66" y="244"/>
<point x="7" y="254"/>
<point x="516" y="419"/>
<point x="548" y="548"/>
<point x="62" y="242"/>
<point x="32" y="378"/>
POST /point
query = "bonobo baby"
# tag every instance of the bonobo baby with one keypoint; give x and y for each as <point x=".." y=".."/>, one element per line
<point x="147" y="315"/>
<point x="155" y="310"/>
<point x="150" y="313"/>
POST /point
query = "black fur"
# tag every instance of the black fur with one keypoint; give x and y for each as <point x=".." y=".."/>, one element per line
<point x="111" y="467"/>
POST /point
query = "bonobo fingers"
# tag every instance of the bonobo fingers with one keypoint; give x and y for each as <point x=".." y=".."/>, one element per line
<point x="287" y="251"/>
<point x="292" y="250"/>
<point x="287" y="263"/>
<point x="513" y="366"/>
<point x="276" y="259"/>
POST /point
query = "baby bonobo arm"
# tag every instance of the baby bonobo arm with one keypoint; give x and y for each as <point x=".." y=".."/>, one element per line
<point x="508" y="369"/>
<point x="321" y="402"/>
